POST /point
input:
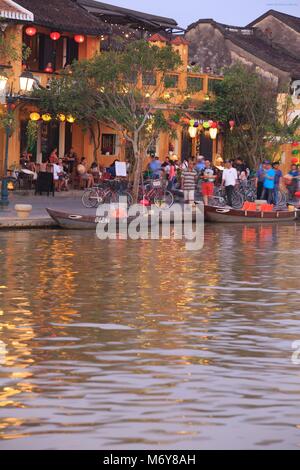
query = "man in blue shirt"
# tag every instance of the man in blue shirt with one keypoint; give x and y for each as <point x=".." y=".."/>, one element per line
<point x="269" y="183"/>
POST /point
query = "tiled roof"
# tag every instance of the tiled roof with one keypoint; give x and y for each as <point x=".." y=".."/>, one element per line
<point x="157" y="38"/>
<point x="64" y="15"/>
<point x="107" y="10"/>
<point x="292" y="21"/>
<point x="271" y="54"/>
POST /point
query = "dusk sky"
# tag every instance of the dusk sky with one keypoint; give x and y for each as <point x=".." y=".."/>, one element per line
<point x="234" y="12"/>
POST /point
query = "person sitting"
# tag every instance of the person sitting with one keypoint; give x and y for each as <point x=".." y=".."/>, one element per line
<point x="95" y="171"/>
<point x="53" y="156"/>
<point x="83" y="174"/>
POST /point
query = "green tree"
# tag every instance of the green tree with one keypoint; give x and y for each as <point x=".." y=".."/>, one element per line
<point x="123" y="89"/>
<point x="251" y="101"/>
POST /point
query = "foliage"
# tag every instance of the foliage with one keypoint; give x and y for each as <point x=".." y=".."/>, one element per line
<point x="8" y="121"/>
<point x="251" y="101"/>
<point x="109" y="88"/>
<point x="32" y="135"/>
<point x="9" y="51"/>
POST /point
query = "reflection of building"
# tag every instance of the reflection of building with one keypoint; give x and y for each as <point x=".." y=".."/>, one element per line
<point x="61" y="31"/>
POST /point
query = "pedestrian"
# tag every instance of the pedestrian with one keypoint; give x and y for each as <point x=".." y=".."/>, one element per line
<point x="269" y="183"/>
<point x="278" y="181"/>
<point x="188" y="183"/>
<point x="208" y="177"/>
<point x="259" y="180"/>
<point x="229" y="180"/>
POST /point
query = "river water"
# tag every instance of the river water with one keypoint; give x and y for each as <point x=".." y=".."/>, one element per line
<point x="144" y="345"/>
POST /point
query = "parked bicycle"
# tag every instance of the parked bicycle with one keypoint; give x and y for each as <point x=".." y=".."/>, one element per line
<point x="219" y="199"/>
<point x="108" y="192"/>
<point x="156" y="193"/>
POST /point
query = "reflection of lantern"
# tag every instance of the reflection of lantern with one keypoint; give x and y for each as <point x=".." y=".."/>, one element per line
<point x="61" y="117"/>
<point x="55" y="36"/>
<point x="30" y="31"/>
<point x="213" y="132"/>
<point x="46" y="117"/>
<point x="193" y="132"/>
<point x="231" y="124"/>
<point x="70" y="119"/>
<point x="206" y="125"/>
<point x="34" y="116"/>
<point x="79" y="38"/>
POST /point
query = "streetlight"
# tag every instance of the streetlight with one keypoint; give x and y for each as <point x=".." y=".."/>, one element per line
<point x="3" y="80"/>
<point x="26" y="81"/>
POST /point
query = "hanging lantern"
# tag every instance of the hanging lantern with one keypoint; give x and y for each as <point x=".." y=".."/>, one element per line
<point x="295" y="152"/>
<point x="3" y="81"/>
<point x="55" y="36"/>
<point x="70" y="119"/>
<point x="231" y="124"/>
<point x="295" y="144"/>
<point x="214" y="125"/>
<point x="295" y="161"/>
<point x="46" y="117"/>
<point x="213" y="132"/>
<point x="196" y="124"/>
<point x="61" y="117"/>
<point x="192" y="122"/>
<point x="79" y="38"/>
<point x="30" y="31"/>
<point x="206" y="125"/>
<point x="34" y="116"/>
<point x="193" y="132"/>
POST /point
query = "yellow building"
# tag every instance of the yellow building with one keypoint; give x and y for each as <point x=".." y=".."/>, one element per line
<point x="65" y="31"/>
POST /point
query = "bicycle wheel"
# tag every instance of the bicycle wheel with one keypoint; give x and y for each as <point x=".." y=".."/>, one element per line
<point x="282" y="198"/>
<point x="163" y="200"/>
<point x="90" y="198"/>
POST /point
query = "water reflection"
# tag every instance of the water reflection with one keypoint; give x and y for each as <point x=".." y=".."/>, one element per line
<point x="141" y="344"/>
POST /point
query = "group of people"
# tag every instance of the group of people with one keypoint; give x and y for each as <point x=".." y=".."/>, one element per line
<point x="270" y="180"/>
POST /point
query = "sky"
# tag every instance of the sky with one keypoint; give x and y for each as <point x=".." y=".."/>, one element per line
<point x="233" y="12"/>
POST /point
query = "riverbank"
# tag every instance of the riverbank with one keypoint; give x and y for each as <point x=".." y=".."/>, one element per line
<point x="39" y="218"/>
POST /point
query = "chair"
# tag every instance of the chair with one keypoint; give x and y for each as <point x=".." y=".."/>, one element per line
<point x="44" y="184"/>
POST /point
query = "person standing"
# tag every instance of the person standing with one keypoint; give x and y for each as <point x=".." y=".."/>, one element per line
<point x="260" y="178"/>
<point x="208" y="177"/>
<point x="229" y="181"/>
<point x="188" y="183"/>
<point x="278" y="181"/>
<point x="269" y="183"/>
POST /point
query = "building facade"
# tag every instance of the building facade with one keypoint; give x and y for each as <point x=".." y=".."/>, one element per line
<point x="58" y="32"/>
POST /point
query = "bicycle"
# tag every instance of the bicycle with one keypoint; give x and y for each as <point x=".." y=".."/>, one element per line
<point x="219" y="199"/>
<point x="155" y="192"/>
<point x="106" y="192"/>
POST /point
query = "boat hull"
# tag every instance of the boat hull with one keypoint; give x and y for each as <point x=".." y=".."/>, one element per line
<point x="228" y="215"/>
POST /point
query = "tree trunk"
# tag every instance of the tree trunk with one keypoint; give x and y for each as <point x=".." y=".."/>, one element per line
<point x="138" y="168"/>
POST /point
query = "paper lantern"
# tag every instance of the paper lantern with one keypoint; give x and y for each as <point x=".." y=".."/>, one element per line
<point x="214" y="125"/>
<point x="34" y="116"/>
<point x="192" y="122"/>
<point x="196" y="124"/>
<point x="295" y="152"/>
<point x="297" y="194"/>
<point x="206" y="125"/>
<point x="55" y="36"/>
<point x="213" y="132"/>
<point x="46" y="117"/>
<point x="193" y="132"/>
<point x="295" y="161"/>
<point x="30" y="31"/>
<point x="70" y="119"/>
<point x="79" y="38"/>
<point x="295" y="144"/>
<point x="61" y="117"/>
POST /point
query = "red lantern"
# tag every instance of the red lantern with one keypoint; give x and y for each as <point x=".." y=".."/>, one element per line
<point x="295" y="161"/>
<point x="55" y="36"/>
<point x="79" y="38"/>
<point x="232" y="124"/>
<point x="214" y="125"/>
<point x="295" y="144"/>
<point x="30" y="31"/>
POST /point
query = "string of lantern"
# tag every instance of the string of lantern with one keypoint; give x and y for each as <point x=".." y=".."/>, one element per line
<point x="47" y="117"/>
<point x="210" y="126"/>
<point x="54" y="35"/>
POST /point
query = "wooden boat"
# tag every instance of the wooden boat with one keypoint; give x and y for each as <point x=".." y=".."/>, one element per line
<point x="73" y="221"/>
<point x="229" y="215"/>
